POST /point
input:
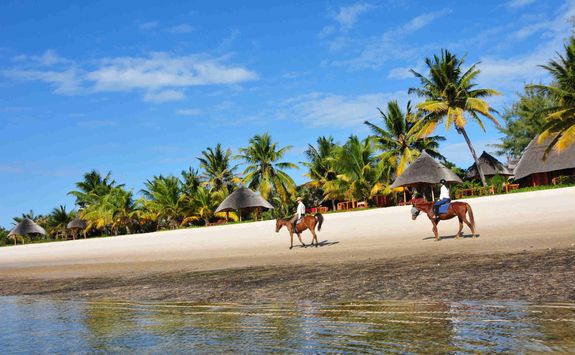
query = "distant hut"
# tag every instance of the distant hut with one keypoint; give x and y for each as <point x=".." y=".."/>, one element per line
<point x="532" y="170"/>
<point x="27" y="226"/>
<point x="243" y="199"/>
<point x="76" y="225"/>
<point x="425" y="171"/>
<point x="490" y="167"/>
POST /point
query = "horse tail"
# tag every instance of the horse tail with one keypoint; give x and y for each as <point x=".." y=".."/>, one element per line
<point x="319" y="218"/>
<point x="471" y="219"/>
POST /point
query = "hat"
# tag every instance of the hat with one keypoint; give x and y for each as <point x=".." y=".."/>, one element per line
<point x="442" y="181"/>
<point x="298" y="198"/>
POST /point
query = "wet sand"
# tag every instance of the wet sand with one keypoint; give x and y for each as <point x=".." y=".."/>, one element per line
<point x="525" y="250"/>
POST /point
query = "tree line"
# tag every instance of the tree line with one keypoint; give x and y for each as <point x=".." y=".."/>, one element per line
<point x="357" y="169"/>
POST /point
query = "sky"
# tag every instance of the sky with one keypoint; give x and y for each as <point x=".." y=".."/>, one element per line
<point x="141" y="88"/>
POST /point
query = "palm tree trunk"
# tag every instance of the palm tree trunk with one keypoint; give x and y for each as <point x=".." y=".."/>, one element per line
<point x="332" y="204"/>
<point x="479" y="170"/>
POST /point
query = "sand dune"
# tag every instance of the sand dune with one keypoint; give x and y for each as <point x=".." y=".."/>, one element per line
<point x="506" y="223"/>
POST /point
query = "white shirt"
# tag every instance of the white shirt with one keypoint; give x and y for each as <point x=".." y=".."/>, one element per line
<point x="444" y="192"/>
<point x="300" y="209"/>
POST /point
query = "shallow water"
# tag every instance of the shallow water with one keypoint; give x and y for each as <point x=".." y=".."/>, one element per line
<point x="44" y="325"/>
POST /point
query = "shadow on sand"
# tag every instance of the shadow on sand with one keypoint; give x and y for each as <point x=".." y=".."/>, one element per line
<point x="465" y="236"/>
<point x="323" y="243"/>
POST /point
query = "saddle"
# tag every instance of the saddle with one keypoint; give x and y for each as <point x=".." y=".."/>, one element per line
<point x="444" y="208"/>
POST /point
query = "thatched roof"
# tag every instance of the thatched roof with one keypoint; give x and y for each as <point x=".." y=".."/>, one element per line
<point x="490" y="166"/>
<point x="76" y="223"/>
<point x="243" y="198"/>
<point x="531" y="161"/>
<point x="27" y="226"/>
<point x="425" y="170"/>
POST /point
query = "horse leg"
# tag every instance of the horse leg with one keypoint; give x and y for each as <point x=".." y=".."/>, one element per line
<point x="301" y="241"/>
<point x="314" y="237"/>
<point x="435" y="231"/>
<point x="291" y="239"/>
<point x="470" y="226"/>
<point x="459" y="234"/>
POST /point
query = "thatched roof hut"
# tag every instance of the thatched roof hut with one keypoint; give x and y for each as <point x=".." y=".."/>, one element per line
<point x="243" y="198"/>
<point x="490" y="167"/>
<point x="542" y="171"/>
<point x="425" y="170"/>
<point x="27" y="226"/>
<point x="76" y="223"/>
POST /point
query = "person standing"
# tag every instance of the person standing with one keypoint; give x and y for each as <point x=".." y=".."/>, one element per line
<point x="443" y="198"/>
<point x="300" y="213"/>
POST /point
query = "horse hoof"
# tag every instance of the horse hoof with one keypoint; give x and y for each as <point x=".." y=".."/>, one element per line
<point x="290" y="248"/>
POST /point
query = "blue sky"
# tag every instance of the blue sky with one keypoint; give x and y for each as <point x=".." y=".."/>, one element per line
<point x="140" y="88"/>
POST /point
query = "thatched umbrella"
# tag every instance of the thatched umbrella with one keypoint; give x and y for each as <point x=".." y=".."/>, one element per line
<point x="76" y="225"/>
<point x="425" y="171"/>
<point x="490" y="167"/>
<point x="27" y="226"/>
<point x="243" y="198"/>
<point x="532" y="162"/>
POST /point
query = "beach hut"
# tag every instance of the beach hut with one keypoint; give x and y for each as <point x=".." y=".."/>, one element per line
<point x="243" y="199"/>
<point x="425" y="171"/>
<point x="532" y="170"/>
<point x="490" y="167"/>
<point x="76" y="225"/>
<point x="27" y="226"/>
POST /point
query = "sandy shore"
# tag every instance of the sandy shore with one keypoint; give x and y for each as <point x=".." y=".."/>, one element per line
<point x="513" y="224"/>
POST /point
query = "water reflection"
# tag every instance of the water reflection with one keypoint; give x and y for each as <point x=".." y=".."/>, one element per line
<point x="62" y="326"/>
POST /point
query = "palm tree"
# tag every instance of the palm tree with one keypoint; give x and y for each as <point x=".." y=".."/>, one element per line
<point x="58" y="221"/>
<point x="561" y="116"/>
<point x="450" y="95"/>
<point x="360" y="177"/>
<point x="217" y="168"/>
<point x="320" y="163"/>
<point x="205" y="203"/>
<point x="264" y="171"/>
<point x="165" y="199"/>
<point x="401" y="139"/>
<point x="93" y="186"/>
<point x="113" y="211"/>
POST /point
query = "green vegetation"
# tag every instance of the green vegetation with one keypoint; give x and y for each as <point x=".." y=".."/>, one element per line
<point x="358" y="169"/>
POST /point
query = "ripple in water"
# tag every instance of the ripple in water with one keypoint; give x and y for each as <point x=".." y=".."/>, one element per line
<point x="31" y="325"/>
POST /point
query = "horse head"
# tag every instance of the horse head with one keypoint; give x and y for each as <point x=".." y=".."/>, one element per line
<point x="414" y="213"/>
<point x="279" y="225"/>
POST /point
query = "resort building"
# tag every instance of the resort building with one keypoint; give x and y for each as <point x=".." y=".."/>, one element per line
<point x="533" y="170"/>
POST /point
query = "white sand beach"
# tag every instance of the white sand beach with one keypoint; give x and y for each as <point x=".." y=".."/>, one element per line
<point x="505" y="223"/>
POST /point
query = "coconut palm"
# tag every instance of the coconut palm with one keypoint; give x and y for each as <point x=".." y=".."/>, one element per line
<point x="165" y="200"/>
<point x="360" y="177"/>
<point x="93" y="187"/>
<point x="58" y="221"/>
<point x="320" y="163"/>
<point x="401" y="138"/>
<point x="264" y="171"/>
<point x="451" y="95"/>
<point x="217" y="167"/>
<point x="113" y="211"/>
<point x="561" y="116"/>
<point x="205" y="202"/>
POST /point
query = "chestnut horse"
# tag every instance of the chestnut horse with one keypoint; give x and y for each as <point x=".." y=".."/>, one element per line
<point x="456" y="209"/>
<point x="307" y="222"/>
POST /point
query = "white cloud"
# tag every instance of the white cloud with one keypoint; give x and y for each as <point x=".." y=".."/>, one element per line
<point x="329" y="110"/>
<point x="153" y="74"/>
<point x="188" y="112"/>
<point x="164" y="96"/>
<point x="347" y="15"/>
<point x="181" y="29"/>
<point x="391" y="44"/>
<point x="162" y="70"/>
<point x="96" y="123"/>
<point x="515" y="4"/>
<point x="48" y="58"/>
<point x="66" y="82"/>
<point x="147" y="26"/>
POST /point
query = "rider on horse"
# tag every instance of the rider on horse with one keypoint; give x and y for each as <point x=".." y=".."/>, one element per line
<point x="443" y="198"/>
<point x="300" y="213"/>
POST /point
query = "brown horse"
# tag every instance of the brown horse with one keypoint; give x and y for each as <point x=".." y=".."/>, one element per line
<point x="307" y="222"/>
<point x="456" y="209"/>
